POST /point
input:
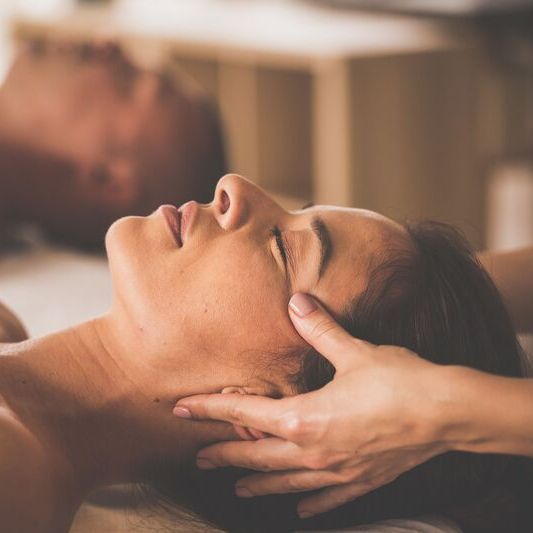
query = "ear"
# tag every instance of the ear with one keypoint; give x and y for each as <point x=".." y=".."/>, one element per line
<point x="245" y="390"/>
<point x="244" y="432"/>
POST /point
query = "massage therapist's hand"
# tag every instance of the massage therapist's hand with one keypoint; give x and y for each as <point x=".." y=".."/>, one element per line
<point x="374" y="421"/>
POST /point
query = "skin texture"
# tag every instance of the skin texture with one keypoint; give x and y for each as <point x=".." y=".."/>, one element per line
<point x="184" y="320"/>
<point x="95" y="138"/>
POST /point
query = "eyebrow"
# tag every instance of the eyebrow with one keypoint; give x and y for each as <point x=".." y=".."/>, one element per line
<point x="324" y="238"/>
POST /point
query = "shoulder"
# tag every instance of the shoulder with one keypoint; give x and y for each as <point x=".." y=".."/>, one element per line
<point x="11" y="328"/>
<point x="24" y="480"/>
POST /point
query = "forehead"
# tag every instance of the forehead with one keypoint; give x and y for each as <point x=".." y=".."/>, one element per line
<point x="361" y="240"/>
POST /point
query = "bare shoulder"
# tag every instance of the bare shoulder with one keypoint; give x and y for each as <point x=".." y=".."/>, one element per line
<point x="11" y="328"/>
<point x="24" y="481"/>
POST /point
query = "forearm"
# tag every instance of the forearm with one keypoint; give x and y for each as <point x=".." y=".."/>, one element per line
<point x="512" y="272"/>
<point x="485" y="413"/>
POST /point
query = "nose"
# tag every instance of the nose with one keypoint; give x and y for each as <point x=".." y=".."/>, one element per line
<point x="237" y="201"/>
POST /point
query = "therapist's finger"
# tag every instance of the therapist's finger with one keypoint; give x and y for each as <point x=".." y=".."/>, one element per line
<point x="263" y="455"/>
<point x="333" y="497"/>
<point x="317" y="327"/>
<point x="284" y="482"/>
<point x="258" y="412"/>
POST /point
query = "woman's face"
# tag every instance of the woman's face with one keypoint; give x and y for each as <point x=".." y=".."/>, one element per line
<point x="215" y="305"/>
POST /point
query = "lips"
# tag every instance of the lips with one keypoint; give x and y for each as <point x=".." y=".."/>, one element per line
<point x="187" y="215"/>
<point x="173" y="220"/>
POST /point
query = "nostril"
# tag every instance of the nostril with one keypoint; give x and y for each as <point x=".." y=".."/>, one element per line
<point x="224" y="202"/>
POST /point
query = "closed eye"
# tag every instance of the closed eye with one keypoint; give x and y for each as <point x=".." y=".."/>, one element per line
<point x="276" y="233"/>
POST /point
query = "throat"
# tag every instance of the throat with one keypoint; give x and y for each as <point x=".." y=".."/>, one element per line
<point x="84" y="403"/>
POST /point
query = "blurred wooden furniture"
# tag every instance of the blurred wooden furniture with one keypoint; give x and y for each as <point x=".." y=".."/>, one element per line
<point x="382" y="112"/>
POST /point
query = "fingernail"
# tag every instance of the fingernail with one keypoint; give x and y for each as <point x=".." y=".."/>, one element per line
<point x="305" y="514"/>
<point x="204" y="464"/>
<point x="302" y="304"/>
<point x="243" y="492"/>
<point x="181" y="412"/>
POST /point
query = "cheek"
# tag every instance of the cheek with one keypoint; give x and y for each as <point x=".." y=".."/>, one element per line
<point x="222" y="307"/>
<point x="234" y="302"/>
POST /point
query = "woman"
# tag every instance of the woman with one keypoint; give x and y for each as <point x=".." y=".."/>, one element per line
<point x="92" y="405"/>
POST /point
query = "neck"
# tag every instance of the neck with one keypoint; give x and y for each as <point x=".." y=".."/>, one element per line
<point x="104" y="414"/>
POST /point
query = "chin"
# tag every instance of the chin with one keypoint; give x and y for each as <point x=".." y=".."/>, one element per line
<point x="127" y="257"/>
<point x="120" y="231"/>
<point x="134" y="243"/>
<point x="124" y="241"/>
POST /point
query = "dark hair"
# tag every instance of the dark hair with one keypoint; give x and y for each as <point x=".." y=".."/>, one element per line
<point x="434" y="298"/>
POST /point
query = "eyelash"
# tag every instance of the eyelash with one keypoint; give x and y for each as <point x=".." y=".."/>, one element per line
<point x="276" y="233"/>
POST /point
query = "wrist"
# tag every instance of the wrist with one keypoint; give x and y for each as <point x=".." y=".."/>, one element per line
<point x="472" y="419"/>
<point x="474" y="411"/>
<point x="454" y="401"/>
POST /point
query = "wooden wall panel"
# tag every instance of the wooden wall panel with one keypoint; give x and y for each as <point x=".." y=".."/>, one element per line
<point x="414" y="127"/>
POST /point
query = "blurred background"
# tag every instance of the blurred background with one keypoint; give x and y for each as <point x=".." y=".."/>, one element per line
<point x="412" y="108"/>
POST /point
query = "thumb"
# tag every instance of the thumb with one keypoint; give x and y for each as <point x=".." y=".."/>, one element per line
<point x="317" y="327"/>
